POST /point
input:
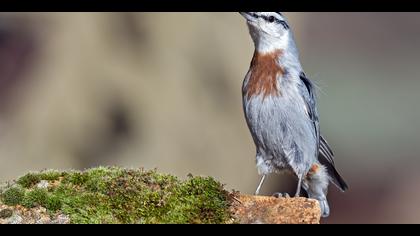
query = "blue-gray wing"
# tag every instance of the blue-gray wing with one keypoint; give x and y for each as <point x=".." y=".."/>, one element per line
<point x="307" y="91"/>
<point x="325" y="154"/>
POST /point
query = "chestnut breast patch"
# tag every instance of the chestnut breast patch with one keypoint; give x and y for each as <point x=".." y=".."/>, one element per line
<point x="263" y="75"/>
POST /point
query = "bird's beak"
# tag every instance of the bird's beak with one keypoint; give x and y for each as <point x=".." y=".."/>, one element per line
<point x="249" y="16"/>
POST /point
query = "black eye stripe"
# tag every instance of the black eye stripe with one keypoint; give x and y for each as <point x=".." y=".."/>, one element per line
<point x="255" y="15"/>
<point x="276" y="20"/>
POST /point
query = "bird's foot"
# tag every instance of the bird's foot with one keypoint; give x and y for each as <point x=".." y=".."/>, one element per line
<point x="325" y="209"/>
<point x="280" y="195"/>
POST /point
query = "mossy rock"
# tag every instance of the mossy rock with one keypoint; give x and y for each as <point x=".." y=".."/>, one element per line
<point x="117" y="195"/>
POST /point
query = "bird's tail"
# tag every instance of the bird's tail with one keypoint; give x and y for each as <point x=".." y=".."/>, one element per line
<point x="326" y="158"/>
<point x="336" y="178"/>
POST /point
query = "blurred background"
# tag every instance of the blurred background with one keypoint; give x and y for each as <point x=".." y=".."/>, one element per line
<point x="163" y="90"/>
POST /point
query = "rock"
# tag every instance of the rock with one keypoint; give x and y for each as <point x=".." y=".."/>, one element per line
<point x="61" y="219"/>
<point x="194" y="200"/>
<point x="43" y="184"/>
<point x="245" y="210"/>
<point x="37" y="215"/>
<point x="271" y="210"/>
<point x="14" y="220"/>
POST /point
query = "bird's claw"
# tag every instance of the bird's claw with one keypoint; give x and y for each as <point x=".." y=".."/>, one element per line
<point x="280" y="195"/>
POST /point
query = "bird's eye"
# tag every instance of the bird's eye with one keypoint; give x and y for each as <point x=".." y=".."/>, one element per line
<point x="271" y="19"/>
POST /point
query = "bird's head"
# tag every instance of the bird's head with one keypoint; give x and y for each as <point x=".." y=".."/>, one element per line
<point x="269" y="30"/>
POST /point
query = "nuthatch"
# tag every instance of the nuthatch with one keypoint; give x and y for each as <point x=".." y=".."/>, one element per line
<point x="279" y="102"/>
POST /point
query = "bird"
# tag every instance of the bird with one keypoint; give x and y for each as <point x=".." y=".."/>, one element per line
<point x="280" y="107"/>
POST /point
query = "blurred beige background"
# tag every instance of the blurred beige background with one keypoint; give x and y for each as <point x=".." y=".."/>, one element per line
<point x="163" y="90"/>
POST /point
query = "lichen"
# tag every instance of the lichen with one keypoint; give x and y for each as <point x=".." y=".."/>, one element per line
<point x="116" y="195"/>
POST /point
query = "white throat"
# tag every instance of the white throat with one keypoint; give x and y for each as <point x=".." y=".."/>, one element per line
<point x="265" y="43"/>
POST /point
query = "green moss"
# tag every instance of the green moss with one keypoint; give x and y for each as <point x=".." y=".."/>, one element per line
<point x="51" y="175"/>
<point x="53" y="202"/>
<point x="13" y="195"/>
<point x="35" y="197"/>
<point x="29" y="180"/>
<point x="115" y="195"/>
<point x="76" y="178"/>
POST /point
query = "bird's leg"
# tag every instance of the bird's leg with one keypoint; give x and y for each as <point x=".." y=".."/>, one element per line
<point x="299" y="186"/>
<point x="257" y="192"/>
